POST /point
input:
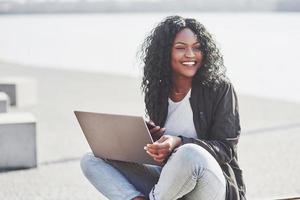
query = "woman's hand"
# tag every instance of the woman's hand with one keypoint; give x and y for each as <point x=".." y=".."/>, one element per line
<point x="155" y="131"/>
<point x="162" y="148"/>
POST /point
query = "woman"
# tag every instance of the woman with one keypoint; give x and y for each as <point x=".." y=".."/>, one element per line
<point x="194" y="118"/>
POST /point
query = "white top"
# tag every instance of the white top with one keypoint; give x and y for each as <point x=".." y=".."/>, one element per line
<point x="180" y="118"/>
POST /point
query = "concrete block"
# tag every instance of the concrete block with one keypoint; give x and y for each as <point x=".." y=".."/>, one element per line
<point x="22" y="91"/>
<point x="4" y="102"/>
<point x="17" y="141"/>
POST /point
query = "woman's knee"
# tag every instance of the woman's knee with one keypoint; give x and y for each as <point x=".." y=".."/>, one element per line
<point x="200" y="161"/>
<point x="193" y="153"/>
<point x="194" y="157"/>
<point x="87" y="162"/>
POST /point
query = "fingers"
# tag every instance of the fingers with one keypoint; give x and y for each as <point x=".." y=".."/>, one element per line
<point x="162" y="130"/>
<point x="153" y="155"/>
<point x="156" y="133"/>
<point x="150" y="124"/>
<point x="154" y="129"/>
<point x="158" y="157"/>
<point x="157" y="130"/>
<point x="158" y="146"/>
<point x="159" y="151"/>
<point x="159" y="161"/>
<point x="162" y="139"/>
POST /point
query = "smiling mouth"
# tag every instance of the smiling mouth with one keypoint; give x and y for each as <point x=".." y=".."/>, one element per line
<point x="189" y="63"/>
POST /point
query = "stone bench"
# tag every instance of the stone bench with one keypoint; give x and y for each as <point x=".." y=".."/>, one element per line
<point x="4" y="102"/>
<point x="17" y="141"/>
<point x="22" y="91"/>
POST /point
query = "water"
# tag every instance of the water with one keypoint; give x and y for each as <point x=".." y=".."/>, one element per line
<point x="260" y="50"/>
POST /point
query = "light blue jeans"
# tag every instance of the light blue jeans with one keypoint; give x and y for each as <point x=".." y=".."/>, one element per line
<point x="190" y="173"/>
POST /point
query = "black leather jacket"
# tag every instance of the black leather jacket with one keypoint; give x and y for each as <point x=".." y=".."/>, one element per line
<point x="216" y="120"/>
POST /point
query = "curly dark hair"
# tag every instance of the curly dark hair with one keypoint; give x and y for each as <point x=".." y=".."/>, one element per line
<point x="156" y="56"/>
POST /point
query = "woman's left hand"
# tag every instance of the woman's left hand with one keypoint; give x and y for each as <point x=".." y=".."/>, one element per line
<point x="161" y="149"/>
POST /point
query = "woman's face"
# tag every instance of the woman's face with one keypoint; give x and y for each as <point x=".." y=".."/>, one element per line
<point x="186" y="56"/>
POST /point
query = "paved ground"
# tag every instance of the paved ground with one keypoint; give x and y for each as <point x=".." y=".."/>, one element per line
<point x="268" y="149"/>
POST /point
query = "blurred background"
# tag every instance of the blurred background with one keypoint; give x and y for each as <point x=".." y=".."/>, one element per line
<point x="83" y="56"/>
<point x="259" y="39"/>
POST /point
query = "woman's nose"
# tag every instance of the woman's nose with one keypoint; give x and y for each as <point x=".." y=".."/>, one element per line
<point x="189" y="53"/>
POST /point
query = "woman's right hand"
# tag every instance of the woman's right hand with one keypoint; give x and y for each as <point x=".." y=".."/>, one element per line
<point x="155" y="131"/>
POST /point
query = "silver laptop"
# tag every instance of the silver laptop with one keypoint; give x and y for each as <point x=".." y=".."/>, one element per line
<point x="116" y="137"/>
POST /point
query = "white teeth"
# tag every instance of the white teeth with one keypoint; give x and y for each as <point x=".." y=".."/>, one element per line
<point x="189" y="63"/>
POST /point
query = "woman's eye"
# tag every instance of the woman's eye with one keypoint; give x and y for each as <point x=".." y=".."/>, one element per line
<point x="196" y="49"/>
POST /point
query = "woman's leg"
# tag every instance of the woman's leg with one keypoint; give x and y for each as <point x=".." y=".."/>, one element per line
<point x="192" y="173"/>
<point x="119" y="180"/>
